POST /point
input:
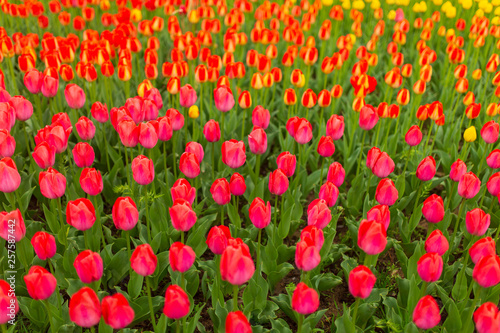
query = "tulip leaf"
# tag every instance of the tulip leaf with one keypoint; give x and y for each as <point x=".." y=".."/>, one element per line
<point x="234" y="215"/>
<point x="197" y="238"/>
<point x="460" y="287"/>
<point x="104" y="328"/>
<point x="141" y="308"/>
<point x="135" y="284"/>
<point x="51" y="219"/>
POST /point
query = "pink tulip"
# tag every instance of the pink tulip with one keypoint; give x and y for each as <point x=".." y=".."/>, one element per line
<point x="381" y="214"/>
<point x="183" y="190"/>
<point x="223" y="98"/>
<point x="99" y="112"/>
<point x="91" y="181"/>
<point x="493" y="159"/>
<point x="7" y="144"/>
<point x="469" y="185"/>
<point x="336" y="174"/>
<point x="482" y="248"/>
<point x="372" y="237"/>
<point x="261" y="117"/>
<point x="433" y="209"/>
<point x="326" y="147"/>
<point x="182" y="215"/>
<point x="386" y="192"/>
<point x="305" y="300"/>
<point x="22" y="106"/>
<point x="278" y="182"/>
<point x="430" y="267"/>
<point x="143" y="170"/>
<point x="52" y="183"/>
<point x="218" y="238"/>
<point x="335" y="127"/>
<point x="458" y="169"/>
<point x="33" y="80"/>
<point x="487" y="271"/>
<point x="9" y="176"/>
<point x="318" y="213"/>
<point x="75" y="97"/>
<point x="487" y="318"/>
<point x="260" y="213"/>
<point x="329" y="193"/>
<point x="116" y="311"/>
<point x="220" y="191"/>
<point x="143" y="260"/>
<point x="176" y="118"/>
<point x="233" y="153"/>
<point x="477" y="222"/>
<point x="187" y="96"/>
<point x="88" y="266"/>
<point x="437" y="242"/>
<point x="361" y="282"/>
<point x="257" y="141"/>
<point x="83" y="154"/>
<point x="368" y="117"/>
<point x="426" y="314"/>
<point x="189" y="165"/>
<point x="414" y="136"/>
<point x="181" y="257"/>
<point x="287" y="163"/>
<point x="148" y="136"/>
<point x="489" y="132"/>
<point x="426" y="169"/>
<point x="211" y="131"/>
<point x="237" y="184"/>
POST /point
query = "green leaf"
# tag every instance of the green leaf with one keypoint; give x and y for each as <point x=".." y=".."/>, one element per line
<point x="234" y="216"/>
<point x="135" y="284"/>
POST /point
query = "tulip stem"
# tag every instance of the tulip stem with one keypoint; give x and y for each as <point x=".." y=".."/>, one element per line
<point x="450" y="196"/>
<point x="243" y="124"/>
<point x="150" y="301"/>
<point x="12" y="75"/>
<point x="276" y="211"/>
<point x="59" y="208"/>
<point x="173" y="156"/>
<point x="52" y="271"/>
<point x="424" y="288"/>
<point x="472" y="308"/>
<point x="86" y="238"/>
<point x="235" y="297"/>
<point x="300" y="321"/>
<point x="47" y="305"/>
<point x="355" y="312"/>
<point x="147" y="212"/>
<point x="178" y="326"/>
<point x="418" y="196"/>
<point x="462" y="204"/>
<point x="223" y="116"/>
<point x="127" y="237"/>
<point x="213" y="160"/>
<point x="98" y="221"/>
<point x="183" y="281"/>
<point x="258" y="250"/>
<point x="106" y="147"/>
<point x="321" y="172"/>
<point x="361" y="151"/>
<point x="257" y="169"/>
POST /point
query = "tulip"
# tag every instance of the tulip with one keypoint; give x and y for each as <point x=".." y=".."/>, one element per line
<point x="189" y="165"/>
<point x="33" y="80"/>
<point x="85" y="128"/>
<point x="187" y="96"/>
<point x="426" y="169"/>
<point x="433" y="209"/>
<point x="477" y="222"/>
<point x="182" y="215"/>
<point x="236" y="322"/>
<point x="458" y="169"/>
<point x="380" y="163"/>
<point x="326" y="147"/>
<point x="52" y="183"/>
<point x="482" y="248"/>
<point x="80" y="214"/>
<point x="143" y="260"/>
<point x="22" y="107"/>
<point x="165" y="129"/>
<point x="469" y="185"/>
<point x="426" y="314"/>
<point x="176" y="118"/>
<point x="99" y="112"/>
<point x="336" y="174"/>
<point x="335" y="127"/>
<point x="307" y="255"/>
<point x="361" y="282"/>
<point x="40" y="283"/>
<point x="12" y="224"/>
<point x="372" y="237"/>
<point x="181" y="257"/>
<point x="329" y="193"/>
<point x="300" y="129"/>
<point x="386" y="192"/>
<point x="318" y="213"/>
<point x="55" y="135"/>
<point x="128" y="132"/>
<point x="148" y="135"/>
<point x="236" y="264"/>
<point x="91" y="181"/>
<point x="493" y="184"/>
<point x="380" y="214"/>
<point x="83" y="154"/>
<point x="218" y="238"/>
<point x="50" y="86"/>
<point x="8" y="301"/>
<point x="9" y="176"/>
<point x="313" y="234"/>
<point x="305" y="300"/>
<point x="176" y="302"/>
<point x="44" y="245"/>
<point x="437" y="242"/>
<point x="233" y="153"/>
<point x="287" y="163"/>
<point x="257" y="141"/>
<point x="261" y="117"/>
<point x="116" y="311"/>
<point x="75" y="97"/>
<point x="220" y="191"/>
<point x="44" y="155"/>
<point x="211" y="131"/>
<point x="125" y="213"/>
<point x="414" y="136"/>
<point x="486" y="318"/>
<point x="260" y="213"/>
<point x="237" y="184"/>
<point x="368" y="117"/>
<point x="89" y="266"/>
<point x="278" y="182"/>
<point x="487" y="271"/>
<point x="489" y="132"/>
<point x="183" y="190"/>
<point x="493" y="159"/>
<point x="196" y="149"/>
<point x="430" y="267"/>
<point x="85" y="308"/>
<point x="223" y="98"/>
<point x="143" y="170"/>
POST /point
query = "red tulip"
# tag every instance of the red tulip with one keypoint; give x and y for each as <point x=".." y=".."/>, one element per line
<point x="83" y="154"/>
<point x="165" y="129"/>
<point x="182" y="215"/>
<point x="237" y="184"/>
<point x="261" y="117"/>
<point x="318" y="213"/>
<point x="329" y="193"/>
<point x="85" y="308"/>
<point x="91" y="181"/>
<point x="336" y="174"/>
<point x="414" y="136"/>
<point x="220" y="191"/>
<point x="89" y="266"/>
<point x="9" y="176"/>
<point x="426" y="314"/>
<point x="211" y="131"/>
<point x="176" y="118"/>
<point x="187" y="96"/>
<point x="176" y="302"/>
<point x="143" y="170"/>
<point x="300" y="129"/>
<point x="12" y="224"/>
<point x="148" y="135"/>
<point x="23" y="107"/>
<point x="99" y="112"/>
<point x="55" y="135"/>
<point x="154" y="95"/>
<point x="44" y="155"/>
<point x="233" y="153"/>
<point x="236" y="266"/>
<point x="487" y="318"/>
<point x="40" y="283"/>
<point x="493" y="184"/>
<point x="469" y="185"/>
<point x="125" y="213"/>
<point x="9" y="306"/>
<point x="52" y="183"/>
<point x="196" y="149"/>
<point x="217" y="239"/>
<point x="482" y="248"/>
<point x="361" y="282"/>
<point x="305" y="300"/>
<point x="458" y="169"/>
<point x="430" y="267"/>
<point x="489" y="132"/>
<point x="326" y="147"/>
<point x="433" y="209"/>
<point x="143" y="260"/>
<point x="335" y="127"/>
<point x="181" y="257"/>
<point x="493" y="159"/>
<point x="477" y="222"/>
<point x="314" y="235"/>
<point x="260" y="213"/>
<point x="50" y="86"/>
<point x="189" y="165"/>
<point x="257" y="141"/>
<point x="278" y="182"/>
<point x="368" y="117"/>
<point x="307" y="255"/>
<point x="386" y="192"/>
<point x="85" y="128"/>
<point x="437" y="242"/>
<point x="287" y="163"/>
<point x="7" y="116"/>
<point x="236" y="322"/>
<point x="128" y="132"/>
<point x="183" y="190"/>
<point x="80" y="214"/>
<point x="33" y="80"/>
<point x="380" y="214"/>
<point x="372" y="237"/>
<point x="426" y="169"/>
<point x="223" y="98"/>
<point x="116" y="311"/>
<point x="380" y="163"/>
<point x="44" y="245"/>
<point x="487" y="271"/>
<point x="75" y="97"/>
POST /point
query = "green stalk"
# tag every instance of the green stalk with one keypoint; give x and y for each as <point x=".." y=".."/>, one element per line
<point x="147" y="212"/>
<point x="150" y="301"/>
<point x="361" y="152"/>
<point x="235" y="297"/>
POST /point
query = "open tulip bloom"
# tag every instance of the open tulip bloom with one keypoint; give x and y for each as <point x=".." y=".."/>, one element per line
<point x="245" y="166"/>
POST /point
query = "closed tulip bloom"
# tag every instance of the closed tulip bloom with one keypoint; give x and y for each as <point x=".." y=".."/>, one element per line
<point x="55" y="135"/>
<point x="22" y="107"/>
<point x="493" y="159"/>
<point x="220" y="191"/>
<point x="125" y="213"/>
<point x="381" y="214"/>
<point x="44" y="245"/>
<point x="128" y="132"/>
<point x="40" y="283"/>
<point x="135" y="107"/>
<point x="469" y="185"/>
<point x="489" y="132"/>
<point x="52" y="183"/>
<point x="12" y="224"/>
<point x="477" y="222"/>
<point x="430" y="267"/>
<point x="85" y="128"/>
<point x="329" y="193"/>
<point x="257" y="141"/>
<point x="116" y="311"/>
<point x="307" y="255"/>
<point x="83" y="154"/>
<point x="154" y="95"/>
<point x="148" y="135"/>
<point x="386" y="192"/>
<point x="426" y="314"/>
<point x="335" y="127"/>
<point x="482" y="248"/>
<point x="176" y="118"/>
<point x="493" y="184"/>
<point x="236" y="322"/>
<point x="414" y="136"/>
<point x="233" y="153"/>
<point x="361" y="282"/>
<point x="486" y="318"/>
<point x="143" y="170"/>
<point x="437" y="242"/>
<point x="336" y="174"/>
<point x="261" y="117"/>
<point x="305" y="300"/>
<point x="236" y="266"/>
<point x="260" y="213"/>
<point x="189" y="165"/>
<point x="143" y="260"/>
<point x="302" y="131"/>
<point x="487" y="271"/>
<point x="195" y="148"/>
<point x="433" y="209"/>
<point x="44" y="155"/>
<point x="187" y="96"/>
<point x="211" y="131"/>
<point x="218" y="238"/>
<point x="287" y="163"/>
<point x="458" y="169"/>
<point x="89" y="266"/>
<point x="426" y="169"/>
<point x="372" y="237"/>
<point x="368" y="117"/>
<point x="80" y="214"/>
<point x="33" y="80"/>
<point x="278" y="182"/>
<point x="62" y="119"/>
<point x="85" y="308"/>
<point x="91" y="181"/>
<point x="182" y="215"/>
<point x="381" y="164"/>
<point x="165" y="129"/>
<point x="176" y="302"/>
<point x="9" y="176"/>
<point x="8" y="302"/>
<point x="75" y="97"/>
<point x="50" y="86"/>
<point x="223" y="98"/>
<point x="181" y="257"/>
<point x="314" y="235"/>
<point x="326" y="147"/>
<point x="237" y="184"/>
<point x="318" y="213"/>
<point x="183" y="190"/>
<point x="99" y="112"/>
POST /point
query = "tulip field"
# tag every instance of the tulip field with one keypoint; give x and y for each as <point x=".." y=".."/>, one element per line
<point x="249" y="166"/>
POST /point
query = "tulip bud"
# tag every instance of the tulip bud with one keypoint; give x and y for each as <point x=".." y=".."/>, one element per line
<point x="9" y="176"/>
<point x="44" y="245"/>
<point x="487" y="271"/>
<point x="125" y="213"/>
<point x="257" y="141"/>
<point x="83" y="154"/>
<point x="91" y="181"/>
<point x="176" y="302"/>
<point x="260" y="117"/>
<point x="196" y="149"/>
<point x="143" y="260"/>
<point x="486" y="318"/>
<point x="278" y="182"/>
<point x="414" y="136"/>
<point x="318" y="214"/>
<point x="361" y="282"/>
<point x="236" y="264"/>
<point x="380" y="214"/>
<point x="183" y="190"/>
<point x="326" y="147"/>
<point x="223" y="98"/>
<point x="493" y="159"/>
<point x="217" y="239"/>
<point x="236" y="322"/>
<point x="182" y="215"/>
<point x="75" y="97"/>
<point x="329" y="193"/>
<point x="89" y="266"/>
<point x="437" y="242"/>
<point x="211" y="131"/>
<point x="80" y="214"/>
<point x="237" y="184"/>
<point x="220" y="191"/>
<point x="426" y="169"/>
<point x="233" y="153"/>
<point x="189" y="165"/>
<point x="260" y="213"/>
<point x="287" y="163"/>
<point x="426" y="314"/>
<point x="85" y="308"/>
<point x="335" y="127"/>
<point x="386" y="192"/>
<point x="477" y="222"/>
<point x="430" y="267"/>
<point x="116" y="311"/>
<point x="307" y="255"/>
<point x="143" y="170"/>
<point x="99" y="112"/>
<point x="52" y="183"/>
<point x="336" y="174"/>
<point x="469" y="185"/>
<point x="181" y="257"/>
<point x="368" y="117"/>
<point x="372" y="237"/>
<point x="40" y="283"/>
<point x="187" y="96"/>
<point x="305" y="300"/>
<point x="493" y="184"/>
<point x="313" y="234"/>
<point x="8" y="299"/>
<point x="489" y="132"/>
<point x="433" y="209"/>
<point x="458" y="169"/>
<point x="482" y="248"/>
<point x="380" y="163"/>
<point x="470" y="134"/>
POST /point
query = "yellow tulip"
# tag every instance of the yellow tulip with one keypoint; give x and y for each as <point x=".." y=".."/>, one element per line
<point x="346" y="5"/>
<point x="391" y="15"/>
<point x="194" y="112"/>
<point x="495" y="20"/>
<point x="451" y="13"/>
<point x="470" y="134"/>
<point x="467" y="4"/>
<point x="358" y="4"/>
<point x="479" y="13"/>
<point x="327" y="2"/>
<point x="375" y="5"/>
